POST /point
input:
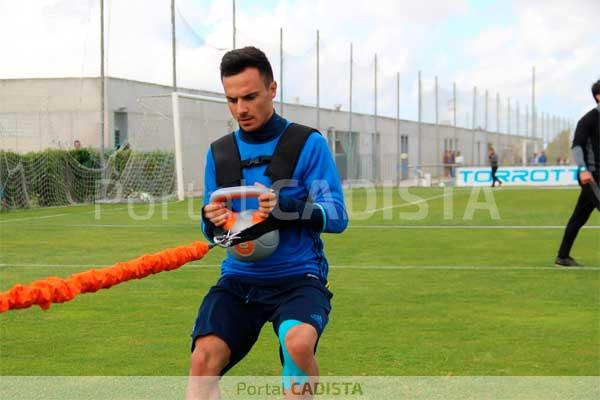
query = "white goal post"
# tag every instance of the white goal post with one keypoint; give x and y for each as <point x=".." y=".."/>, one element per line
<point x="178" y="136"/>
<point x="175" y="96"/>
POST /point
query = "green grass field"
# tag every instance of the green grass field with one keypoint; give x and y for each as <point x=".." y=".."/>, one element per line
<point x="426" y="285"/>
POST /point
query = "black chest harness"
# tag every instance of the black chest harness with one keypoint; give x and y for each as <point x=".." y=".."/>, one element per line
<point x="281" y="164"/>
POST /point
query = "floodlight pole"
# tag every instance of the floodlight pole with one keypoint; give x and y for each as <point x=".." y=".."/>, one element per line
<point x="533" y="110"/>
<point x="454" y="106"/>
<point x="281" y="71"/>
<point x="508" y="117"/>
<point x="487" y="131"/>
<point x="102" y="86"/>
<point x="375" y="94"/>
<point x="398" y="149"/>
<point x="518" y="120"/>
<point x="375" y="124"/>
<point x="498" y="137"/>
<point x="174" y="45"/>
<point x="508" y="124"/>
<point x="437" y="122"/>
<point x="318" y="84"/>
<point x="498" y="114"/>
<point x="233" y="12"/>
<point x="420" y="107"/>
<point x="485" y="124"/>
<point x="350" y="94"/>
<point x="473" y="125"/>
<point x="527" y="121"/>
<point x="543" y="130"/>
<point x="474" y="119"/>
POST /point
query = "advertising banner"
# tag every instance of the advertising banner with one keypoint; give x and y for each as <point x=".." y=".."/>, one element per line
<point x="563" y="175"/>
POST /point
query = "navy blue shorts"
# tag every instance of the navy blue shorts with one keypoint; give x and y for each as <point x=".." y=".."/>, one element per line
<point x="237" y="307"/>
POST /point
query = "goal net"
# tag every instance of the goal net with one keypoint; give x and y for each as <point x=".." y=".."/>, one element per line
<point x="30" y="173"/>
<point x="169" y="140"/>
<point x="162" y="156"/>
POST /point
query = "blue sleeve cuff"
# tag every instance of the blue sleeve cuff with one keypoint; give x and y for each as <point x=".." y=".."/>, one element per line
<point x="324" y="216"/>
<point x="208" y="228"/>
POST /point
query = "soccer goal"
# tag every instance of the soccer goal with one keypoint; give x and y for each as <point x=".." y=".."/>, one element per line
<point x="162" y="157"/>
<point x="180" y="124"/>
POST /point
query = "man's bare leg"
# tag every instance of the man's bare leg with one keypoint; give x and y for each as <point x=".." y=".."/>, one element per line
<point x="211" y="354"/>
<point x="300" y="343"/>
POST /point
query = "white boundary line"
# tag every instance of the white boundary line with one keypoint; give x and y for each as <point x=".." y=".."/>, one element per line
<point x="475" y="227"/>
<point x="32" y="218"/>
<point x="8" y="220"/>
<point x="195" y="225"/>
<point x="90" y="266"/>
<point x="410" y="227"/>
<point x="412" y="203"/>
<point x="374" y="210"/>
<point x="463" y="188"/>
<point x="455" y="267"/>
<point x="342" y="267"/>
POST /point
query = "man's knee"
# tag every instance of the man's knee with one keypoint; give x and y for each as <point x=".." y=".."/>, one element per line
<point x="210" y="356"/>
<point x="300" y="342"/>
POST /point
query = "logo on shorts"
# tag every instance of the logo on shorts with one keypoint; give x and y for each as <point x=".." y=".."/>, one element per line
<point x="318" y="319"/>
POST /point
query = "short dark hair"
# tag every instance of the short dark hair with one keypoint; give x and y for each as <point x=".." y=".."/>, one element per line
<point x="596" y="89"/>
<point x="236" y="61"/>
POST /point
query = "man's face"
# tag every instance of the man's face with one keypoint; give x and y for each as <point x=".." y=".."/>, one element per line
<point x="249" y="101"/>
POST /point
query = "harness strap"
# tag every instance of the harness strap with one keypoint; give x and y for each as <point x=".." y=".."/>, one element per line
<point x="287" y="152"/>
<point x="229" y="165"/>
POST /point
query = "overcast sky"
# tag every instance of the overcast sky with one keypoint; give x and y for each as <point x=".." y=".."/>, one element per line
<point x="485" y="43"/>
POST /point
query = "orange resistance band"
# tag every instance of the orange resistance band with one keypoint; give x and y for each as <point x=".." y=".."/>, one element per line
<point x="57" y="290"/>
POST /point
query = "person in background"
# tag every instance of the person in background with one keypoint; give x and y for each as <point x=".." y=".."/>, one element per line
<point x="493" y="157"/>
<point x="534" y="159"/>
<point x="446" y="161"/>
<point x="586" y="154"/>
<point x="459" y="159"/>
<point x="77" y="144"/>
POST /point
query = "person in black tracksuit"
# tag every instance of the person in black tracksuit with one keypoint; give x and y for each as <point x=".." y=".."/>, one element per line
<point x="586" y="154"/>
<point x="493" y="157"/>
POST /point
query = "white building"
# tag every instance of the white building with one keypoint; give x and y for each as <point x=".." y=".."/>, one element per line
<point x="36" y="114"/>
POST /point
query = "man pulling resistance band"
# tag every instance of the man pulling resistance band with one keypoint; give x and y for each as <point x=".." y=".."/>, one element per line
<point x="289" y="286"/>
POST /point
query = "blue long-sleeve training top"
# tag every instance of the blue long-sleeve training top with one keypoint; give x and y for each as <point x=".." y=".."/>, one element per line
<point x="317" y="197"/>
